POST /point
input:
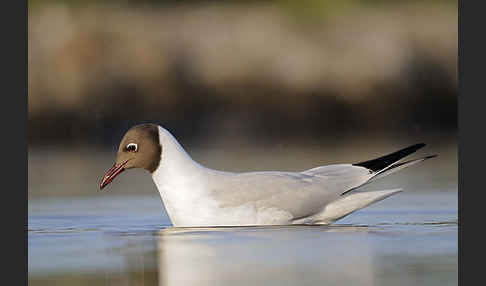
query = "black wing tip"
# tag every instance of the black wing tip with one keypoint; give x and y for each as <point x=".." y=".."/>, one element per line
<point x="431" y="156"/>
<point x="419" y="145"/>
<point x="384" y="161"/>
<point x="412" y="148"/>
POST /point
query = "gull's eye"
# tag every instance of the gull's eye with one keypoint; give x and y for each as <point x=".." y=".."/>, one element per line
<point x="132" y="147"/>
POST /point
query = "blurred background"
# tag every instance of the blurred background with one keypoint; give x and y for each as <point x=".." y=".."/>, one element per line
<point x="243" y="85"/>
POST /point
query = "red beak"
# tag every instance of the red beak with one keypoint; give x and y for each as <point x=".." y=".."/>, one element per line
<point x="112" y="173"/>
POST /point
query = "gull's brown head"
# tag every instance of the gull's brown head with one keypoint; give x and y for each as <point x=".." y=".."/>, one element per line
<point x="139" y="148"/>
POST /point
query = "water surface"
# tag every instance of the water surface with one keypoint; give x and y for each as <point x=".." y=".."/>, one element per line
<point x="408" y="239"/>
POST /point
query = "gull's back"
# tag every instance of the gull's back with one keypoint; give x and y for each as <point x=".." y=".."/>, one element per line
<point x="282" y="197"/>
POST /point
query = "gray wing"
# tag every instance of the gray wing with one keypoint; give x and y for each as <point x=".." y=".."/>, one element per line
<point x="299" y="193"/>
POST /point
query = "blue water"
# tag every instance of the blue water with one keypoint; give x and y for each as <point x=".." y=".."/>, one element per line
<point x="407" y="239"/>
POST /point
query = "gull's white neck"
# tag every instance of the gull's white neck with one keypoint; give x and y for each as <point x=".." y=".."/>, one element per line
<point x="173" y="157"/>
<point x="179" y="179"/>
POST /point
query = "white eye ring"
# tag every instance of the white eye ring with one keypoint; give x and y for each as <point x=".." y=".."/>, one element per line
<point x="132" y="147"/>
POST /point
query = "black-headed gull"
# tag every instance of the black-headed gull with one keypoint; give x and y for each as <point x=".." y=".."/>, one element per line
<point x="194" y="195"/>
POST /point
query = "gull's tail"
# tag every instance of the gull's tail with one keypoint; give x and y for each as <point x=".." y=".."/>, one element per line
<point x="351" y="203"/>
<point x="388" y="164"/>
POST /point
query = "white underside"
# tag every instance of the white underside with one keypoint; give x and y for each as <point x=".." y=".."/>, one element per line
<point x="197" y="196"/>
<point x="348" y="204"/>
